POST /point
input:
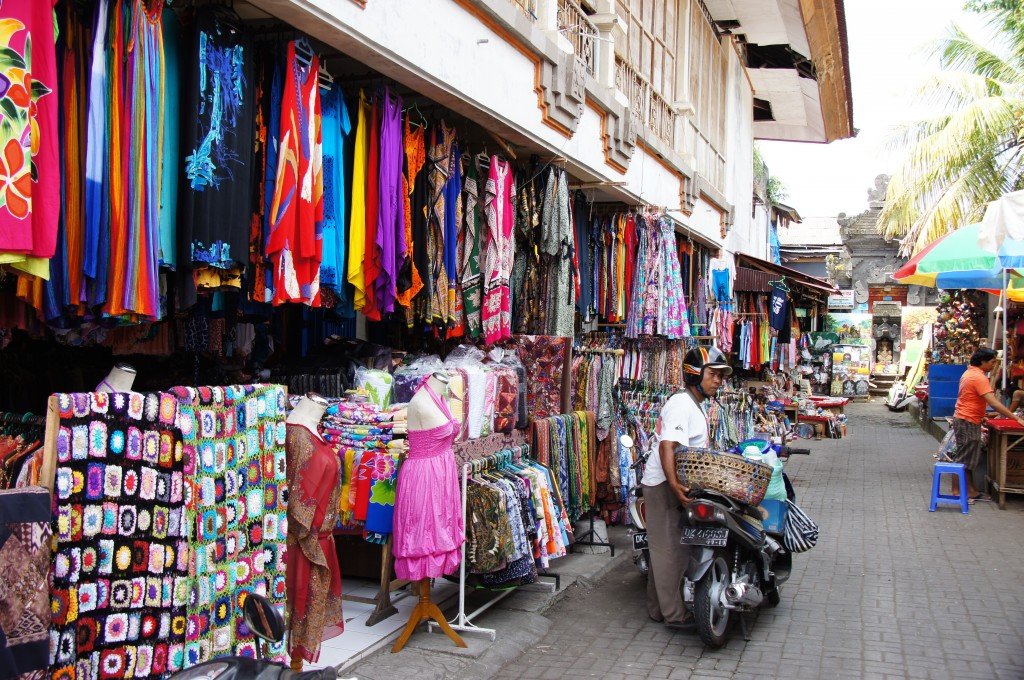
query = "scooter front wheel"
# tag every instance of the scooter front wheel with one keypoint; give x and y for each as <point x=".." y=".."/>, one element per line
<point x="642" y="560"/>
<point x="709" y="609"/>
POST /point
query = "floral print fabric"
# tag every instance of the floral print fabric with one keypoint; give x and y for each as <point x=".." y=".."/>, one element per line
<point x="543" y="357"/>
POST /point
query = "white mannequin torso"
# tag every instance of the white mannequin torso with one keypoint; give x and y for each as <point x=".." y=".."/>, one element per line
<point x="424" y="413"/>
<point x="308" y="413"/>
<point x="120" y="379"/>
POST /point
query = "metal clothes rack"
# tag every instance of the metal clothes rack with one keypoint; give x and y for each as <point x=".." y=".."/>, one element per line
<point x="462" y="621"/>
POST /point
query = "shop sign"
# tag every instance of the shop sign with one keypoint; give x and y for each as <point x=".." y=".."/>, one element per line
<point x="844" y="300"/>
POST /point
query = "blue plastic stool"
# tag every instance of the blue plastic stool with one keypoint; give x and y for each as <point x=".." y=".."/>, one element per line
<point x="940" y="498"/>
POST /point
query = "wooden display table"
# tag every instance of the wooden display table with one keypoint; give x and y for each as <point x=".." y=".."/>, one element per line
<point x="1005" y="457"/>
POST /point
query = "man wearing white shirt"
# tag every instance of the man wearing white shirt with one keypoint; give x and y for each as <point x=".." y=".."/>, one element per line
<point x="681" y="422"/>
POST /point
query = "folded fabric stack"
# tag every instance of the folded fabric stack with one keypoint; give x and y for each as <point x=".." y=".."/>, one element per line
<point x="363" y="435"/>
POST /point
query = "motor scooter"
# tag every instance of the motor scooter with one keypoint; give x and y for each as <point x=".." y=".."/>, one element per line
<point x="267" y="624"/>
<point x="736" y="566"/>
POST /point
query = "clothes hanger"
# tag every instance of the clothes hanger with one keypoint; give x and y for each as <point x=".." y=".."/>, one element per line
<point x="303" y="51"/>
<point x="780" y="283"/>
<point x="324" y="77"/>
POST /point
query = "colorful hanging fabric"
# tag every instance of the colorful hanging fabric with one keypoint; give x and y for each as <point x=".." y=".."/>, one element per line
<point x="168" y="218"/>
<point x="97" y="179"/>
<point x="383" y="467"/>
<point x="496" y="315"/>
<point x="140" y="294"/>
<point x="220" y="123"/>
<point x="438" y="312"/>
<point x="673" y="322"/>
<point x="390" y="242"/>
<point x="557" y="243"/>
<point x="409" y="280"/>
<point x="544" y="359"/>
<point x="372" y="254"/>
<point x="29" y="144"/>
<point x="469" y="255"/>
<point x="295" y="245"/>
<point x="336" y="127"/>
<point x="357" y="220"/>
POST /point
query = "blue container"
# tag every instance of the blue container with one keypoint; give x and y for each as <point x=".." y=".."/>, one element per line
<point x="943" y="386"/>
<point x="776" y="515"/>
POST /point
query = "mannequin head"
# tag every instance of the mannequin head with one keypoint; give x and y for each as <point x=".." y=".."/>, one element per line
<point x="438" y="382"/>
<point x="120" y="379"/>
<point x="309" y="412"/>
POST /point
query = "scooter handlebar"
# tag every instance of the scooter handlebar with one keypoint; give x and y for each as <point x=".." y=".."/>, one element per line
<point x="790" y="451"/>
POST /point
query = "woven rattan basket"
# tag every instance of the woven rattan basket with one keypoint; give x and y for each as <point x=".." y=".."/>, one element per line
<point x="725" y="473"/>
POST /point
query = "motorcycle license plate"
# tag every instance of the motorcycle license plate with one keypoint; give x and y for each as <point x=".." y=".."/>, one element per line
<point x="640" y="540"/>
<point x="710" y="536"/>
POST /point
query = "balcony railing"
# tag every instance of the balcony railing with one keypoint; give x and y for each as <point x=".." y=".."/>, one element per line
<point x="527" y="7"/>
<point x="575" y="25"/>
<point x="650" y="108"/>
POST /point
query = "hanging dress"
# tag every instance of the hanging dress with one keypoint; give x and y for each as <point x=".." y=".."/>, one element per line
<point x="217" y="144"/>
<point x="296" y="238"/>
<point x="391" y="213"/>
<point x="336" y="126"/>
<point x="556" y="243"/>
<point x="357" y="220"/>
<point x="313" y="576"/>
<point x="429" y="528"/>
<point x="469" y="254"/>
<point x="496" y="315"/>
<point x="409" y="281"/>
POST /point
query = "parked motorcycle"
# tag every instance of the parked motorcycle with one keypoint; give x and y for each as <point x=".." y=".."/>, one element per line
<point x="735" y="565"/>
<point x="267" y="624"/>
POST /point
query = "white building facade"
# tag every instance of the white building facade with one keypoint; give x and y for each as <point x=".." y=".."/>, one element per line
<point x="644" y="102"/>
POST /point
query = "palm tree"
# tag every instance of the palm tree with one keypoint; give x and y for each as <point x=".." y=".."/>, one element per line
<point x="969" y="151"/>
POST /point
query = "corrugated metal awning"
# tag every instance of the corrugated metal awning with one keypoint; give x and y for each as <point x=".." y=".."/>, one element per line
<point x="774" y="271"/>
<point x="753" y="280"/>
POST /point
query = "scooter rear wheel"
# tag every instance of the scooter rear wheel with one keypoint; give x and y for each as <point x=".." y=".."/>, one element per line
<point x="709" y="611"/>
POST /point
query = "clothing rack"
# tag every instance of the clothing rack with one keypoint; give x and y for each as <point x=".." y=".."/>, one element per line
<point x="462" y="621"/>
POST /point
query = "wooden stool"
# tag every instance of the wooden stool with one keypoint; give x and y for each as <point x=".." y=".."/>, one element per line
<point x="425" y="610"/>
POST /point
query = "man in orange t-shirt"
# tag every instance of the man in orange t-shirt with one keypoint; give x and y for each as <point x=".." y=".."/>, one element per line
<point x="975" y="395"/>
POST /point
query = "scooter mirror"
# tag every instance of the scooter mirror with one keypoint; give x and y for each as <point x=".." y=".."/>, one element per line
<point x="262" y="618"/>
<point x="626" y="441"/>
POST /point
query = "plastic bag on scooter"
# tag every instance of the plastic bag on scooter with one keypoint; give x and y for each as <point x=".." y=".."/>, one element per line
<point x="776" y="487"/>
<point x="801" y="532"/>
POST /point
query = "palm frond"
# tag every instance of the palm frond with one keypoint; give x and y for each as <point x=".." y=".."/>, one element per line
<point x="967" y="152"/>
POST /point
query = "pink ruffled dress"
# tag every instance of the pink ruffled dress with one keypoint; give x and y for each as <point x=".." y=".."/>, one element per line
<point x="429" y="529"/>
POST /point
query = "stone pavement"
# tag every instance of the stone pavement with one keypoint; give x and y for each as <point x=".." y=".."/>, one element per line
<point x="890" y="591"/>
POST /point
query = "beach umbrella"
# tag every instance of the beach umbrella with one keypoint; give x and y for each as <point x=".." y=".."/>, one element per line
<point x="1002" y="229"/>
<point x="956" y="260"/>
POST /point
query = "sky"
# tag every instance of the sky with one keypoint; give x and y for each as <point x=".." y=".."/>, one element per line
<point x="889" y="59"/>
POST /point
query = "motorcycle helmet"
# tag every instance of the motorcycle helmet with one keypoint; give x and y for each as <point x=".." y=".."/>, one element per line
<point x="700" y="358"/>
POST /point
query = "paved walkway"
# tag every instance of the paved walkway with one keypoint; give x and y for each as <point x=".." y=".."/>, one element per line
<point x="890" y="591"/>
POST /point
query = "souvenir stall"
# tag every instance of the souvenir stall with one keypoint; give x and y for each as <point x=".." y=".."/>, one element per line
<point x="961" y="327"/>
<point x="226" y="204"/>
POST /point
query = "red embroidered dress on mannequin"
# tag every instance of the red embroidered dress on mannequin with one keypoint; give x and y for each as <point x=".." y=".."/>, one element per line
<point x="295" y="246"/>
